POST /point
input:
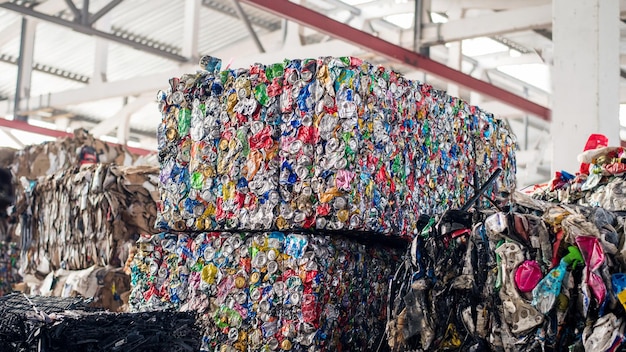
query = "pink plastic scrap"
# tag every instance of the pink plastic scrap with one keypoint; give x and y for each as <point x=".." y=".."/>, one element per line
<point x="592" y="252"/>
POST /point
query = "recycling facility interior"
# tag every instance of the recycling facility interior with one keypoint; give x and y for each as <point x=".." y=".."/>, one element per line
<point x="245" y="175"/>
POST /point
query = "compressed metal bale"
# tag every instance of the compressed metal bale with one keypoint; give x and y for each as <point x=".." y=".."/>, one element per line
<point x="326" y="144"/>
<point x="269" y="290"/>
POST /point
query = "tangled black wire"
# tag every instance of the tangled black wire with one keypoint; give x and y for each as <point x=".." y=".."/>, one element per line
<point x="48" y="324"/>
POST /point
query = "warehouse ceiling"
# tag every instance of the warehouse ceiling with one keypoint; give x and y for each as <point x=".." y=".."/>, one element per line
<point x="98" y="64"/>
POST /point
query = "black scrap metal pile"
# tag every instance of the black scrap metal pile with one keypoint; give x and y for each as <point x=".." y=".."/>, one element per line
<point x="70" y="324"/>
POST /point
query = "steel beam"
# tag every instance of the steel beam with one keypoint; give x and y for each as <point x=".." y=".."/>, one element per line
<point x="376" y="10"/>
<point x="455" y="54"/>
<point x="98" y="91"/>
<point x="488" y="25"/>
<point x="492" y="4"/>
<point x="246" y="21"/>
<point x="367" y="41"/>
<point x="138" y="38"/>
<point x="84" y="16"/>
<point x="12" y="31"/>
<point x="91" y="31"/>
<point x="23" y="126"/>
<point x="492" y="61"/>
<point x="123" y="128"/>
<point x="12" y="137"/>
<point x="75" y="11"/>
<point x="418" y="24"/>
<point x="342" y="5"/>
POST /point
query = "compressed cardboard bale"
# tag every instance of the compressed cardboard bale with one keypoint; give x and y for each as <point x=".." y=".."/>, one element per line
<point x="47" y="158"/>
<point x="269" y="290"/>
<point x="79" y="217"/>
<point x="333" y="144"/>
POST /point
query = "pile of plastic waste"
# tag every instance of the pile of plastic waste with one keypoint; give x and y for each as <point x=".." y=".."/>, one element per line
<point x="535" y="276"/>
<point x="598" y="183"/>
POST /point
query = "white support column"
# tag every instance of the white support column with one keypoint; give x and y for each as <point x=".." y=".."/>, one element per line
<point x="62" y="122"/>
<point x="454" y="61"/>
<point x="292" y="35"/>
<point x="25" y="68"/>
<point x="585" y="77"/>
<point x="102" y="50"/>
<point x="191" y="29"/>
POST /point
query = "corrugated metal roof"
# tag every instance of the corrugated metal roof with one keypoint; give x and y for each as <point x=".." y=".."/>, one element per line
<point x="59" y="47"/>
<point x="161" y="21"/>
<point x="7" y="80"/>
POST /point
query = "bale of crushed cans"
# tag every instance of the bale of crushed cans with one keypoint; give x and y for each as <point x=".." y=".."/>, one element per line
<point x="70" y="324"/>
<point x="269" y="290"/>
<point x="535" y="276"/>
<point x="84" y="216"/>
<point x="323" y="144"/>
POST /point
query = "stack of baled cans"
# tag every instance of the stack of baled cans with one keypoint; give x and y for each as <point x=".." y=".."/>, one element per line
<point x="284" y="188"/>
